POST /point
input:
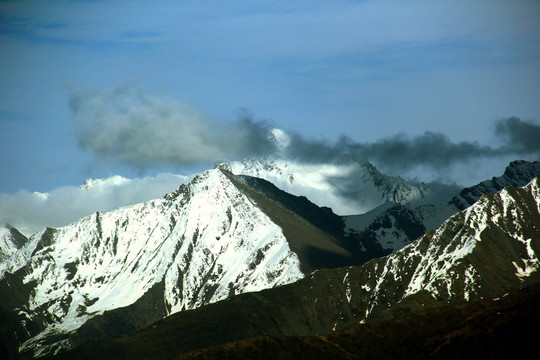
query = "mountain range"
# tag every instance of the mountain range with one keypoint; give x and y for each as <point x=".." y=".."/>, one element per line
<point x="394" y="224"/>
<point x="231" y="255"/>
<point x="484" y="253"/>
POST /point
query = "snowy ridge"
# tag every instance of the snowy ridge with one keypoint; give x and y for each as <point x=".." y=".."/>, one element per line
<point x="482" y="253"/>
<point x="351" y="188"/>
<point x="204" y="242"/>
<point x="15" y="249"/>
<point x="499" y="234"/>
<point x="32" y="212"/>
<point x="7" y="245"/>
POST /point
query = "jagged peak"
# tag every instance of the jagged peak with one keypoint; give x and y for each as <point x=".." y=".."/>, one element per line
<point x="352" y="187"/>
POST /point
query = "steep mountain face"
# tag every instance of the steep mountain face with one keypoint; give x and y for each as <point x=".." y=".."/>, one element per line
<point x="314" y="248"/>
<point x="481" y="253"/>
<point x="351" y="188"/>
<point x="11" y="242"/>
<point x="396" y="225"/>
<point x="110" y="274"/>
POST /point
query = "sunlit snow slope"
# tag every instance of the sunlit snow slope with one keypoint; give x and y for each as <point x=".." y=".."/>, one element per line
<point x="480" y="253"/>
<point x="395" y="225"/>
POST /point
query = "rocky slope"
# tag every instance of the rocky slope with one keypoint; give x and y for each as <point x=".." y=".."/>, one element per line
<point x="517" y="173"/>
<point x="110" y="274"/>
<point x="482" y="253"/>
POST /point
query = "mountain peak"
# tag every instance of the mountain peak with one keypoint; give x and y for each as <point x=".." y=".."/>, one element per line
<point x="521" y="170"/>
<point x="442" y="280"/>
<point x="215" y="237"/>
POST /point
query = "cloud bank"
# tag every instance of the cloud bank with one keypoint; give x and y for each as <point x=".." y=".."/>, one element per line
<point x="30" y="212"/>
<point x="431" y="149"/>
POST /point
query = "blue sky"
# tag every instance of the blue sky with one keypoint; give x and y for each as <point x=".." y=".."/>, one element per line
<point x="369" y="70"/>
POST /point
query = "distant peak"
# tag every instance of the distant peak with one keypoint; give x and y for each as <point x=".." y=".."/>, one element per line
<point x="96" y="183"/>
<point x="224" y="165"/>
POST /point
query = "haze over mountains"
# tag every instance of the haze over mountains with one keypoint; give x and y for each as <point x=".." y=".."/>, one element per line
<point x="229" y="231"/>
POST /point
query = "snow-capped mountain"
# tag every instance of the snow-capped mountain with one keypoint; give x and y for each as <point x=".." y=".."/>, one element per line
<point x="481" y="253"/>
<point x="351" y="188"/>
<point x="218" y="236"/>
<point x="30" y="212"/>
<point x="395" y="225"/>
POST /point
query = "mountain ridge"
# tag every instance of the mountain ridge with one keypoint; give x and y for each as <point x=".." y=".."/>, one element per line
<point x="448" y="331"/>
<point x="481" y="253"/>
<point x="348" y="188"/>
<point x="112" y="273"/>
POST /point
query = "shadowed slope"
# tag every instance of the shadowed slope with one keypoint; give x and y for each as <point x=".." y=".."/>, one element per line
<point x="315" y="234"/>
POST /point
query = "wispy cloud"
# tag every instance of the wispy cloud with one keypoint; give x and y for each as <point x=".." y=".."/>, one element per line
<point x="521" y="137"/>
<point x="431" y="156"/>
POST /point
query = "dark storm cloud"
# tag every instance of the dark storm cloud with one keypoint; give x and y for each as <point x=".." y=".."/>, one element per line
<point x="400" y="151"/>
<point x="126" y="125"/>
<point x="522" y="137"/>
<point x="431" y="149"/>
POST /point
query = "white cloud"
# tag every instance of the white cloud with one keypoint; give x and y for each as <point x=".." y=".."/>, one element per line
<point x="30" y="212"/>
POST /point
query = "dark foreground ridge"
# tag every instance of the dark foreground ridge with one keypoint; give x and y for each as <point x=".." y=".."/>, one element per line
<point x="499" y="329"/>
